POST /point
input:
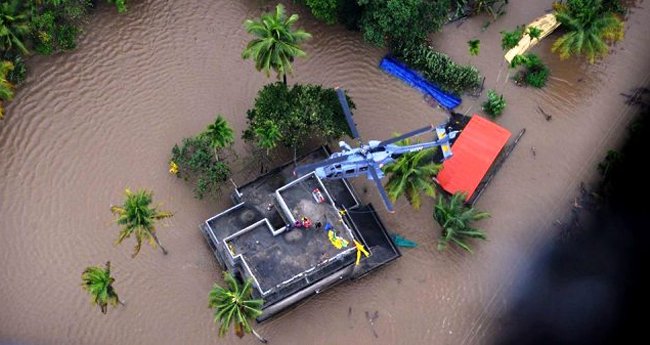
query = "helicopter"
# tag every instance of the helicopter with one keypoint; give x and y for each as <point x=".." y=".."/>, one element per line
<point x="369" y="158"/>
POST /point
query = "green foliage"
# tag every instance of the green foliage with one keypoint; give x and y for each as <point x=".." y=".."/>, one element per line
<point x="589" y="28"/>
<point x="14" y="26"/>
<point x="325" y="10"/>
<point x="534" y="32"/>
<point x="474" y="47"/>
<point x="138" y="218"/>
<point x="412" y="174"/>
<point x="119" y="4"/>
<point x="406" y="21"/>
<point x="614" y="6"/>
<point x="291" y="116"/>
<point x="462" y="8"/>
<point x="234" y="306"/>
<point x="535" y="72"/>
<point x="438" y="68"/>
<point x="456" y="220"/>
<point x="276" y="43"/>
<point x="6" y="87"/>
<point x="18" y="74"/>
<point x="197" y="163"/>
<point x="218" y="134"/>
<point x="495" y="104"/>
<point x="99" y="284"/>
<point x="510" y="39"/>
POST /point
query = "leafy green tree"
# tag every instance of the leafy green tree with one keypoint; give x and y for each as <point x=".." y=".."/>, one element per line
<point x="456" y="220"/>
<point x="138" y="218"/>
<point x="268" y="135"/>
<point x="219" y="135"/>
<point x="401" y="20"/>
<point x="291" y="116"/>
<point x="495" y="104"/>
<point x="412" y="174"/>
<point x="276" y="43"/>
<point x="474" y="47"/>
<point x="6" y="87"/>
<point x="14" y="26"/>
<point x="99" y="284"/>
<point x="510" y="39"/>
<point x="534" y="32"/>
<point x="588" y="30"/>
<point x="233" y="306"/>
<point x="195" y="161"/>
<point x="325" y="10"/>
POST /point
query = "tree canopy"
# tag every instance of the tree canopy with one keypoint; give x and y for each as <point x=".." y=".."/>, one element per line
<point x="292" y="115"/>
<point x="401" y="20"/>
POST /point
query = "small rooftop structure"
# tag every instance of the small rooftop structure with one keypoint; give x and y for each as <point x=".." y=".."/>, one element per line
<point x="256" y="238"/>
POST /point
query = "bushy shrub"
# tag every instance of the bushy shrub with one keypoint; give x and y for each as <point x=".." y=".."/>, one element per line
<point x="325" y="10"/>
<point x="510" y="39"/>
<point x="438" y="68"/>
<point x="495" y="104"/>
<point x="196" y="162"/>
<point x="295" y="115"/>
<point x="535" y="72"/>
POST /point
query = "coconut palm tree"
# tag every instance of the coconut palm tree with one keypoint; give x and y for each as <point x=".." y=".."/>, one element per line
<point x="14" y="26"/>
<point x="219" y="135"/>
<point x="138" y="218"/>
<point x="233" y="306"/>
<point x="99" y="284"/>
<point x="412" y="174"/>
<point x="456" y="219"/>
<point x="276" y="43"/>
<point x="589" y="29"/>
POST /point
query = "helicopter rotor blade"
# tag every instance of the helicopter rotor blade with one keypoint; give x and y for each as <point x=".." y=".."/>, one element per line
<point x="407" y="135"/>
<point x="306" y="168"/>
<point x="346" y="110"/>
<point x="380" y="187"/>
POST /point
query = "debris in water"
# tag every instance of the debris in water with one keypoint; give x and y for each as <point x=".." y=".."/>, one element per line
<point x="532" y="150"/>
<point x="547" y="116"/>
<point x="371" y="320"/>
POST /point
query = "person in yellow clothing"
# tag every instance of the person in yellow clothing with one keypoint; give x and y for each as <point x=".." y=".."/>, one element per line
<point x="360" y="249"/>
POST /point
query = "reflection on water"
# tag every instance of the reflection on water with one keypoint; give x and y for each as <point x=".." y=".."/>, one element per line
<point x="89" y="123"/>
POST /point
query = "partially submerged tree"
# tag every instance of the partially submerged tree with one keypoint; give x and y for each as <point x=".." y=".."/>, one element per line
<point x="407" y="21"/>
<point x="138" y="218"/>
<point x="494" y="104"/>
<point x="589" y="29"/>
<point x="510" y="39"/>
<point x="99" y="284"/>
<point x="412" y="174"/>
<point x="291" y="116"/>
<point x="219" y="135"/>
<point x="234" y="307"/>
<point x="195" y="161"/>
<point x="456" y="220"/>
<point x="276" y="43"/>
<point x="474" y="47"/>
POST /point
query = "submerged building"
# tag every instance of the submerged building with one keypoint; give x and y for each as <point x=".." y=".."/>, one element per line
<point x="257" y="237"/>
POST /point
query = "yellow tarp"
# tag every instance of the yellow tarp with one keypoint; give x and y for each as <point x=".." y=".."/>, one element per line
<point x="546" y="23"/>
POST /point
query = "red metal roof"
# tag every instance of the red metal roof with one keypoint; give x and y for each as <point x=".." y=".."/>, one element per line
<point x="474" y="152"/>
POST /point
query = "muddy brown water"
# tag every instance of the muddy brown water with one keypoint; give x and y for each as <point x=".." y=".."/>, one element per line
<point x="89" y="123"/>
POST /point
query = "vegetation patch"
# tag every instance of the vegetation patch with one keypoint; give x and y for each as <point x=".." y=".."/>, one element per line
<point x="438" y="68"/>
<point x="292" y="115"/>
<point x="510" y="39"/>
<point x="535" y="73"/>
<point x="495" y="104"/>
<point x="456" y="220"/>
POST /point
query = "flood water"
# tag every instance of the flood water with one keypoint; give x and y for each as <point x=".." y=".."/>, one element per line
<point x="89" y="123"/>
